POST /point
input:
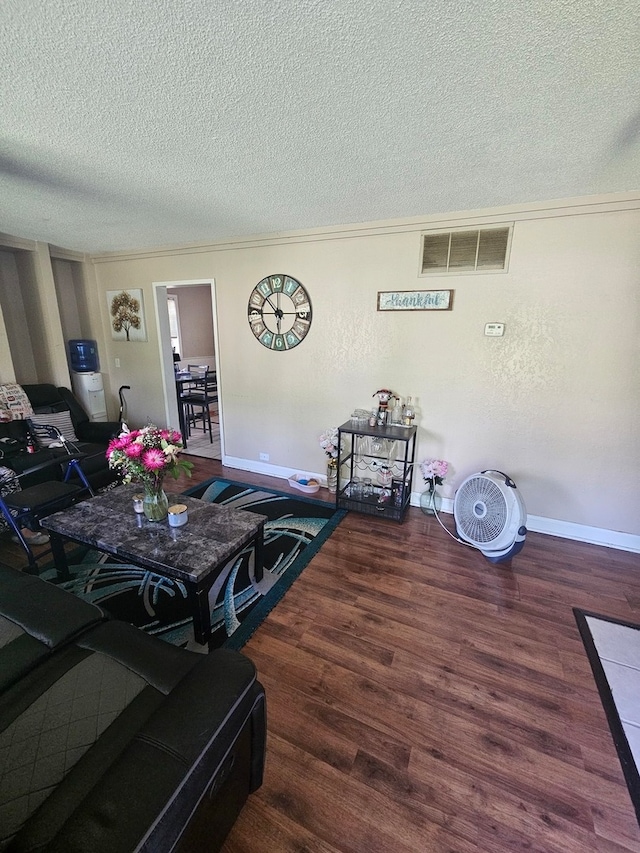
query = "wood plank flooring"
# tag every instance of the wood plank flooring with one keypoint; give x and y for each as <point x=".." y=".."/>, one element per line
<point x="422" y="699"/>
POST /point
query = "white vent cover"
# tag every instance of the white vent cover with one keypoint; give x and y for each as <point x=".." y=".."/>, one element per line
<point x="479" y="250"/>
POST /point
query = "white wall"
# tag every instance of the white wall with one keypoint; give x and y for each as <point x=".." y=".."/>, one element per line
<point x="67" y="299"/>
<point x="196" y="324"/>
<point x="554" y="403"/>
<point x="17" y="355"/>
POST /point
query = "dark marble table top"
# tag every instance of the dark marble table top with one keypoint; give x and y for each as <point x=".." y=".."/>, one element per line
<point x="108" y="522"/>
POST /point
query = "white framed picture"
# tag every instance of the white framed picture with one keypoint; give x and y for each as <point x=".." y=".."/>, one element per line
<point x="126" y="315"/>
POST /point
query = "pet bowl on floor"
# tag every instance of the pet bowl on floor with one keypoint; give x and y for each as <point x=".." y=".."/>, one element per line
<point x="309" y="485"/>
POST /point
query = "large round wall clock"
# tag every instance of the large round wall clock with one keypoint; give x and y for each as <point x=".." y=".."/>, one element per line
<point x="279" y="312"/>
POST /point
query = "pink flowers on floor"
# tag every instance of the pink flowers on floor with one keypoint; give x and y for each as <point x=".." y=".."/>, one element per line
<point x="434" y="470"/>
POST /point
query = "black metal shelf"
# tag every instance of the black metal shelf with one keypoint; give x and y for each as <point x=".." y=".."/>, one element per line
<point x="385" y="501"/>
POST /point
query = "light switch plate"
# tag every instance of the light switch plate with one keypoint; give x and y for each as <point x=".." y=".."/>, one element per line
<point x="494" y="330"/>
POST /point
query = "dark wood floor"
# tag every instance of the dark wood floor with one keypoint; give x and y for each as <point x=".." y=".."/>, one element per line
<point x="423" y="700"/>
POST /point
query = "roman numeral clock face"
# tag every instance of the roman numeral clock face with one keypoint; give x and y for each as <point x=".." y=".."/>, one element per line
<point x="279" y="312"/>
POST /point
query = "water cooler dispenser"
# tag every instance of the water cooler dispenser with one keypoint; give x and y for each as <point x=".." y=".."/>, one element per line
<point x="85" y="378"/>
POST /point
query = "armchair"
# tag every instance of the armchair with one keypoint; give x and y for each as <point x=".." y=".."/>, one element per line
<point x="93" y="436"/>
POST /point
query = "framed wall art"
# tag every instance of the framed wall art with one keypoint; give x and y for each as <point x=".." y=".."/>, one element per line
<point x="415" y="300"/>
<point x="126" y="315"/>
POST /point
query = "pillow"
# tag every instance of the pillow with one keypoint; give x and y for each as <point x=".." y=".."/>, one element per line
<point x="62" y="420"/>
<point x="14" y="403"/>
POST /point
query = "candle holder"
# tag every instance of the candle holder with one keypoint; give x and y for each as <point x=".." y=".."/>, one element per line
<point x="178" y="515"/>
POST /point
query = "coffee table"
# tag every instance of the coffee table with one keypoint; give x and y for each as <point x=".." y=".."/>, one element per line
<point x="194" y="554"/>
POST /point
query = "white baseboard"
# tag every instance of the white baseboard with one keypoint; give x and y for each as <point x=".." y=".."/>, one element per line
<point x="270" y="470"/>
<point x="584" y="533"/>
<point x="535" y="523"/>
<point x="565" y="529"/>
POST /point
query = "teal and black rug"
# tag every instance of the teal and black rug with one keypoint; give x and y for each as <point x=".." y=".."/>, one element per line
<point x="296" y="529"/>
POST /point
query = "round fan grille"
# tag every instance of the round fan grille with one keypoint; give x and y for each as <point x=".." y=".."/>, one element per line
<point x="481" y="510"/>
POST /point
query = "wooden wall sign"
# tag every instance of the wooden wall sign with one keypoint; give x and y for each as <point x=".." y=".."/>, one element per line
<point x="415" y="300"/>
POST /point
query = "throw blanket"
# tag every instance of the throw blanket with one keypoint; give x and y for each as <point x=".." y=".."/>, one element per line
<point x="14" y="403"/>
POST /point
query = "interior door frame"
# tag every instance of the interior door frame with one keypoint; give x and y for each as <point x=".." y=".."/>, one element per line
<point x="166" y="356"/>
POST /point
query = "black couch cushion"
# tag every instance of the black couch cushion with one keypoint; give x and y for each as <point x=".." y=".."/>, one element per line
<point x="132" y="735"/>
<point x="113" y="741"/>
<point x="45" y="397"/>
<point x="35" y="620"/>
<point x="50" y="719"/>
<point x="13" y="439"/>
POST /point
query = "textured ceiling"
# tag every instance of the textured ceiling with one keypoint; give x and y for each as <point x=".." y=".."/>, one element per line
<point x="141" y="123"/>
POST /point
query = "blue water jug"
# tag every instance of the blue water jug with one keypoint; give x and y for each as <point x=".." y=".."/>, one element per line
<point x="84" y="356"/>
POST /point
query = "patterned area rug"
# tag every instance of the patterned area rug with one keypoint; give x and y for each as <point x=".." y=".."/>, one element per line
<point x="295" y="530"/>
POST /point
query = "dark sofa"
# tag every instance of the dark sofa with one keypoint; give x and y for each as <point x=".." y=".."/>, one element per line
<point x="112" y="740"/>
<point x="93" y="437"/>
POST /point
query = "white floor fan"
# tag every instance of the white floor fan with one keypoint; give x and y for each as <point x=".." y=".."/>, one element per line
<point x="490" y="515"/>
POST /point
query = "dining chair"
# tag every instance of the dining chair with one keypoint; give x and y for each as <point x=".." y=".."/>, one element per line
<point x="198" y="399"/>
<point x="197" y="371"/>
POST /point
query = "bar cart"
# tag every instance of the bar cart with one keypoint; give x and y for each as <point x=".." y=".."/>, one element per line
<point x="375" y="468"/>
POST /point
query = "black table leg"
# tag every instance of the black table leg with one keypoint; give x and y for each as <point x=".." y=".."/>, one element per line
<point x="59" y="556"/>
<point x="199" y="599"/>
<point x="258" y="547"/>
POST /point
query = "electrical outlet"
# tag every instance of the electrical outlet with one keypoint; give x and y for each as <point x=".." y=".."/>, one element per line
<point x="264" y="457"/>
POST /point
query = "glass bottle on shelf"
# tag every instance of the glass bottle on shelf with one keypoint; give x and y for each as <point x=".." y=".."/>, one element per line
<point x="396" y="414"/>
<point x="409" y="413"/>
<point x="385" y="476"/>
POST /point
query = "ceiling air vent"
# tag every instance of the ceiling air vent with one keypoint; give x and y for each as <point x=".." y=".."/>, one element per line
<point x="480" y="250"/>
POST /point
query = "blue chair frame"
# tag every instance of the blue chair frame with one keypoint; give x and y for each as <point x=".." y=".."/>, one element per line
<point x="25" y="507"/>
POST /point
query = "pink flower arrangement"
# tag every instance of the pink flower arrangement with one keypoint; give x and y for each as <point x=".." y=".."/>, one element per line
<point x="146" y="455"/>
<point x="434" y="471"/>
<point x="329" y="442"/>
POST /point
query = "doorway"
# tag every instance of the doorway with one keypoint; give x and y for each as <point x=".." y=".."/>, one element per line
<point x="187" y="318"/>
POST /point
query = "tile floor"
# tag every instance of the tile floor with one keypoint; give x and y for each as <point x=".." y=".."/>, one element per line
<point x="618" y="647"/>
<point x="198" y="443"/>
